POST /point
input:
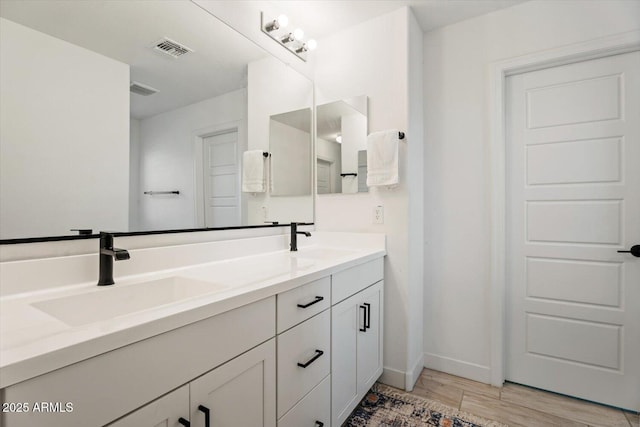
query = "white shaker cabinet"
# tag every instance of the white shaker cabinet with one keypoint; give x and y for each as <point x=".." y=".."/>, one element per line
<point x="356" y="343"/>
<point x="240" y="392"/>
<point x="171" y="409"/>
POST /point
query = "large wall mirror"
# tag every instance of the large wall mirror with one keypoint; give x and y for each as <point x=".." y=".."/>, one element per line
<point x="341" y="146"/>
<point x="133" y="116"/>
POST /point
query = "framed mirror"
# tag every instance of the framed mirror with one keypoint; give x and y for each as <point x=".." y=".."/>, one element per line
<point x="129" y="116"/>
<point x="341" y="141"/>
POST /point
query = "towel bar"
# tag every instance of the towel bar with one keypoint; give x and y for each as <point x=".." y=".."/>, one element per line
<point x="153" y="193"/>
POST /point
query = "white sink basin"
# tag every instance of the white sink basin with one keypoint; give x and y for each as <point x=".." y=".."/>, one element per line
<point x="108" y="302"/>
<point x="321" y="253"/>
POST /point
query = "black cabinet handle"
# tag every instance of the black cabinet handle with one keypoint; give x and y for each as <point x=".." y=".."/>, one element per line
<point x="364" y="320"/>
<point x="319" y="423"/>
<point x="207" y="415"/>
<point x="315" y="301"/>
<point x="367" y="323"/>
<point x="310" y="361"/>
<point x="635" y="251"/>
<point x="184" y="422"/>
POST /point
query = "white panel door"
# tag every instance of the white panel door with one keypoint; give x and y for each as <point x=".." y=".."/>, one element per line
<point x="573" y="199"/>
<point x="221" y="180"/>
<point x="323" y="173"/>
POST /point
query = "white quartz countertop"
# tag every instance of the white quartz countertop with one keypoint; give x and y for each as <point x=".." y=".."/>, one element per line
<point x="44" y="330"/>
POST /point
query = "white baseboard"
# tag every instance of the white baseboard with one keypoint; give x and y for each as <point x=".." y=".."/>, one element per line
<point x="459" y="368"/>
<point x="393" y="377"/>
<point x="413" y="375"/>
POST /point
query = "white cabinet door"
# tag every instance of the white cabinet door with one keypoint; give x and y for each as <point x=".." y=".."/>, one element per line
<point x="369" y="337"/>
<point x="169" y="410"/>
<point x="242" y="392"/>
<point x="356" y="348"/>
<point x="344" y="380"/>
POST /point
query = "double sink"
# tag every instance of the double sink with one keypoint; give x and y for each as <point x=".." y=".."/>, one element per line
<point x="98" y="304"/>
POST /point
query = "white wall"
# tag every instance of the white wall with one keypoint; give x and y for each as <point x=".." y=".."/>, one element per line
<point x="274" y="88"/>
<point x="456" y="161"/>
<point x="168" y="157"/>
<point x="135" y="191"/>
<point x="290" y="160"/>
<point x="331" y="151"/>
<point x="354" y="139"/>
<point x="64" y="132"/>
<point x="379" y="68"/>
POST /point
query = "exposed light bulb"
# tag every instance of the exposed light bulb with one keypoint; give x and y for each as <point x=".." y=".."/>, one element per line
<point x="287" y="39"/>
<point x="280" y="22"/>
<point x="312" y="44"/>
<point x="339" y="139"/>
<point x="283" y="21"/>
<point x="298" y="34"/>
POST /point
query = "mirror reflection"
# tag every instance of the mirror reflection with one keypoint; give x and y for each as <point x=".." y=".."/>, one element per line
<point x="128" y="116"/>
<point x="341" y="141"/>
<point x="290" y="143"/>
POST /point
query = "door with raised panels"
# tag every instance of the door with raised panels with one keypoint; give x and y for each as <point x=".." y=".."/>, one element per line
<point x="573" y="200"/>
<point x="221" y="180"/>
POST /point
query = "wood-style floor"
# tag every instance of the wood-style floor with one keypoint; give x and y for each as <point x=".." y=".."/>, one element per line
<point x="517" y="405"/>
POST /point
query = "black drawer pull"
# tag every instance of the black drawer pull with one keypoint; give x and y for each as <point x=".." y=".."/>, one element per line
<point x="367" y="324"/>
<point x="319" y="423"/>
<point x="207" y="415"/>
<point x="364" y="320"/>
<point x="315" y="301"/>
<point x="313" y="359"/>
<point x="184" y="422"/>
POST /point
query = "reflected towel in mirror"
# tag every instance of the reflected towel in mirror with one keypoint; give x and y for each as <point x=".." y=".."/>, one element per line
<point x="253" y="172"/>
<point x="382" y="158"/>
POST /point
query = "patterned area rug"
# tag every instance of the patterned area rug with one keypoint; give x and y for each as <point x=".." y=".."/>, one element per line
<point x="384" y="406"/>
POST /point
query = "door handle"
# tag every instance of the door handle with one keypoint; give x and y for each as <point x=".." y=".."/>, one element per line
<point x="184" y="422"/>
<point x="635" y="251"/>
<point x="315" y="301"/>
<point x="207" y="415"/>
<point x="367" y="324"/>
<point x="364" y="319"/>
<point x="313" y="359"/>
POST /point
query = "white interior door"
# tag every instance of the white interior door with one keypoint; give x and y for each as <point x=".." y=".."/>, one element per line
<point x="323" y="170"/>
<point x="573" y="199"/>
<point x="221" y="175"/>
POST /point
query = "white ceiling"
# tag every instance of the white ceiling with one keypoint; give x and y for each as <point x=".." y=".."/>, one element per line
<point x="124" y="30"/>
<point x="323" y="17"/>
<point x="127" y="30"/>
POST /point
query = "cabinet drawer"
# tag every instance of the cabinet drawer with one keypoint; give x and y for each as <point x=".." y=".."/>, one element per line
<point x="307" y="344"/>
<point x="299" y="304"/>
<point x="353" y="280"/>
<point x="313" y="410"/>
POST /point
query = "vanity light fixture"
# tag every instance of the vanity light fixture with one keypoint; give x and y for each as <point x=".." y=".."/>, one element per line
<point x="293" y="41"/>
<point x="280" y="22"/>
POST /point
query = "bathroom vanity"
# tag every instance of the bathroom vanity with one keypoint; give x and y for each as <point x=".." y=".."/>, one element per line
<point x="276" y="338"/>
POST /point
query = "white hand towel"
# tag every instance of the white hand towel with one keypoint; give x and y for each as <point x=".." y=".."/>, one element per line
<point x="382" y="158"/>
<point x="253" y="172"/>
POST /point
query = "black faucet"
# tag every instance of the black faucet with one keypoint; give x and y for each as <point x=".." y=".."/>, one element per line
<point x="107" y="254"/>
<point x="294" y="234"/>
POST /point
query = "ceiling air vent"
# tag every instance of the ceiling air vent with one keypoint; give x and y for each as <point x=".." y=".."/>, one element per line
<point x="171" y="48"/>
<point x="141" y="89"/>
